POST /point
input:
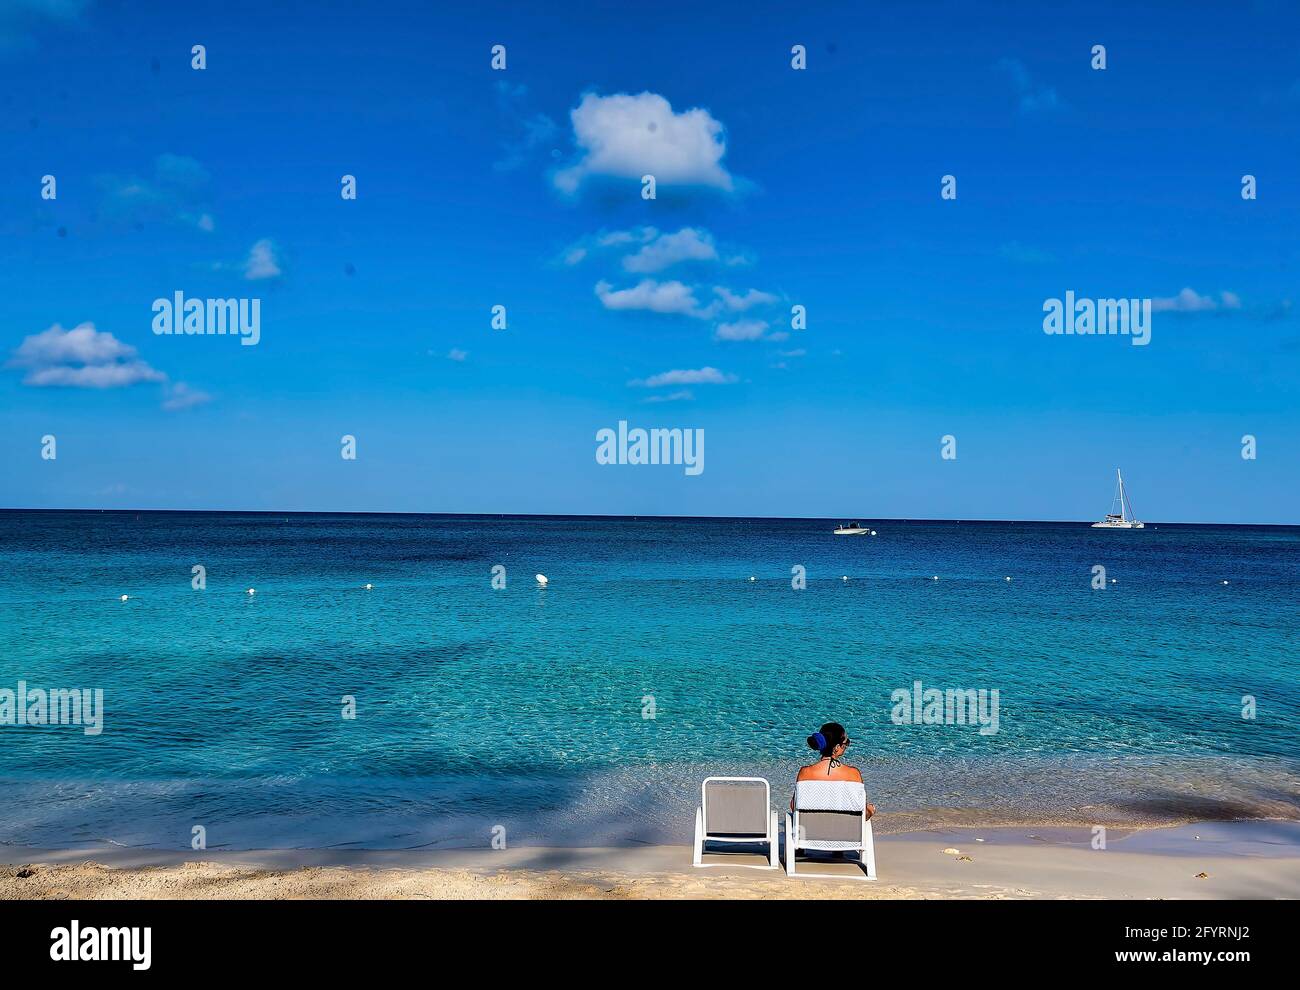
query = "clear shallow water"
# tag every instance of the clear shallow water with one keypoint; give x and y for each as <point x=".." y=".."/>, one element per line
<point x="523" y="707"/>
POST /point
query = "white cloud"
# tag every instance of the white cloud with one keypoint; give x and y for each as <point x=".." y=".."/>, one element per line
<point x="688" y="244"/>
<point x="182" y="396"/>
<point x="94" y="375"/>
<point x="531" y="130"/>
<point x="262" y="261"/>
<point x="627" y="136"/>
<point x="649" y="294"/>
<point x="797" y="352"/>
<point x="83" y="344"/>
<point x="82" y="357"/>
<point x="741" y="330"/>
<point x="692" y="376"/>
<point x="743" y="301"/>
<point x="655" y="250"/>
<point x="1190" y="301"/>
<point x="176" y="194"/>
<point x="617" y="237"/>
<point x="685" y="395"/>
<point x="1032" y="95"/>
<point x="456" y="354"/>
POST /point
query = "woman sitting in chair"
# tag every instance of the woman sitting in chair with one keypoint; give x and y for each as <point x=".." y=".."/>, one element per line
<point x="831" y="741"/>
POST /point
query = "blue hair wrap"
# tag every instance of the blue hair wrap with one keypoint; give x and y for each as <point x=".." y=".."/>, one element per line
<point x="819" y="739"/>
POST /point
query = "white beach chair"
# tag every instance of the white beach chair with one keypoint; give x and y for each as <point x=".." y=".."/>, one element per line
<point x="736" y="810"/>
<point x="828" y="816"/>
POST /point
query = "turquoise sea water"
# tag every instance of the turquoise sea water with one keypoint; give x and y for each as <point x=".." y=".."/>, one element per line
<point x="525" y="707"/>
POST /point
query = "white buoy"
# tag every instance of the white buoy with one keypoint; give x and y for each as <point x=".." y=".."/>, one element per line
<point x="752" y="578"/>
<point x="935" y="578"/>
<point x="845" y="578"/>
<point x="251" y="591"/>
<point x="1225" y="582"/>
<point x="873" y="532"/>
<point x="542" y="580"/>
<point x="1114" y="580"/>
<point x="369" y="586"/>
<point x="124" y="597"/>
<point x="1006" y="579"/>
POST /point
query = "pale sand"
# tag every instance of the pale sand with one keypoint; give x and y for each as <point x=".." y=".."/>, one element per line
<point x="912" y="867"/>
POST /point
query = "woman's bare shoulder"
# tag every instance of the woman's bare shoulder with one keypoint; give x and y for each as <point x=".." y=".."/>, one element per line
<point x="815" y="771"/>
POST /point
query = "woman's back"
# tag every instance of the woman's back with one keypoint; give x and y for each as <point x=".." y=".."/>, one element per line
<point x="834" y="771"/>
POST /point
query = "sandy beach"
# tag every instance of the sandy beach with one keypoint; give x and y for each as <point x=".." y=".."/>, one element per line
<point x="1254" y="860"/>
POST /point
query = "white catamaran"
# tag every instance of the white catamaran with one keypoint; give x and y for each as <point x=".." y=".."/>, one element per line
<point x="1123" y="518"/>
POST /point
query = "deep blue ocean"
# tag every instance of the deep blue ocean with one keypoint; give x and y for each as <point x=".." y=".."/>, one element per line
<point x="530" y="707"/>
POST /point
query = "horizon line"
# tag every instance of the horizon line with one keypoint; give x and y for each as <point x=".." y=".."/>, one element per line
<point x="599" y="515"/>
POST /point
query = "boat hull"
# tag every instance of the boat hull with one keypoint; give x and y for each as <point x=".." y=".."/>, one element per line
<point x="1118" y="525"/>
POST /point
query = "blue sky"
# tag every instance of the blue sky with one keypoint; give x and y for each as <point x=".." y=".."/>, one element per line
<point x="776" y="188"/>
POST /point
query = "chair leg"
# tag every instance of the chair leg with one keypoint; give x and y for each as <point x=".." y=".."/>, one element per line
<point x="869" y="849"/>
<point x="772" y="836"/>
<point x="699" y="837"/>
<point x="790" y="843"/>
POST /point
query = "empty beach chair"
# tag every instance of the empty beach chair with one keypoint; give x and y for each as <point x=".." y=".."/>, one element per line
<point x="736" y="810"/>
<point x="827" y="817"/>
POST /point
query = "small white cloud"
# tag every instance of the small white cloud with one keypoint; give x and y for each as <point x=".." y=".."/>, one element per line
<point x="617" y="237"/>
<point x="176" y="194"/>
<point x="529" y="131"/>
<point x="115" y="375"/>
<point x="742" y="301"/>
<point x="796" y="353"/>
<point x="182" y="396"/>
<point x="741" y="330"/>
<point x="82" y="357"/>
<point x="685" y="395"/>
<point x="456" y="354"/>
<point x="627" y="136"/>
<point x="655" y="250"/>
<point x="262" y="261"/>
<point x="1191" y="301"/>
<point x="649" y="294"/>
<point x="688" y="244"/>
<point x="1032" y="95"/>
<point x="692" y="376"/>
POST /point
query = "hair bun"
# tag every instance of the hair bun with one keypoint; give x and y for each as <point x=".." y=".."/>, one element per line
<point x="817" y="741"/>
